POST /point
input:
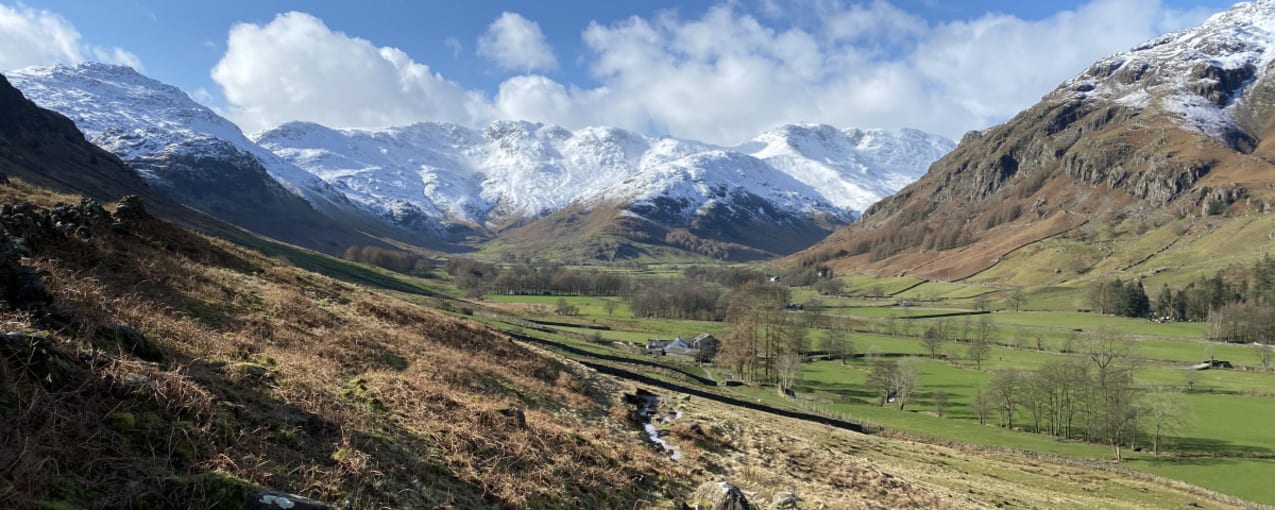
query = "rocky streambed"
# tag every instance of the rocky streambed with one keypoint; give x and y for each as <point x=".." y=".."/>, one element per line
<point x="649" y="413"/>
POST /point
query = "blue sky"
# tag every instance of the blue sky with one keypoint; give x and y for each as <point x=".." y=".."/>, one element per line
<point x="719" y="71"/>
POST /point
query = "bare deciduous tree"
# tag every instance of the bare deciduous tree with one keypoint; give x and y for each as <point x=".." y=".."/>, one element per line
<point x="788" y="368"/>
<point x="895" y="380"/>
<point x="1163" y="412"/>
<point x="838" y="345"/>
<point x="933" y="340"/>
<point x="1263" y="354"/>
<point x="981" y="405"/>
<point x="1017" y="299"/>
<point x="978" y="351"/>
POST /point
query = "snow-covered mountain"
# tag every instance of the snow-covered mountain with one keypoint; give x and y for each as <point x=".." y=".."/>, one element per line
<point x="449" y="180"/>
<point x="136" y="117"/>
<point x="515" y="170"/>
<point x="1178" y="128"/>
<point x="196" y="157"/>
<point x="1198" y="75"/>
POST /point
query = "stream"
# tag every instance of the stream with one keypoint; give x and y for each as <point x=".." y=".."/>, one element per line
<point x="647" y="413"/>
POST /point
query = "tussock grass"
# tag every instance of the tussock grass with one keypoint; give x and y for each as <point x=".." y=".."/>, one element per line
<point x="277" y="377"/>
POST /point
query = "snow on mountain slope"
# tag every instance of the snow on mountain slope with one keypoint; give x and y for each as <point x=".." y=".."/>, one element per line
<point x="854" y="168"/>
<point x="501" y="174"/>
<point x="514" y="170"/>
<point x="1196" y="74"/>
<point x="134" y="116"/>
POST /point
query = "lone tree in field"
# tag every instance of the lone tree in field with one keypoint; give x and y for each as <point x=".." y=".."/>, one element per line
<point x="978" y="351"/>
<point x="1163" y="412"/>
<point x="981" y="405"/>
<point x="940" y="402"/>
<point x="838" y="345"/>
<point x="934" y="338"/>
<point x="986" y="329"/>
<point x="895" y="380"/>
<point x="1017" y="299"/>
<point x="609" y="305"/>
<point x="788" y="368"/>
<point x="1263" y="354"/>
<point x="565" y="308"/>
<point x="980" y="303"/>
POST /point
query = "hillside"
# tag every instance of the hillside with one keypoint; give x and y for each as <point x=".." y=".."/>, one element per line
<point x="1131" y="166"/>
<point x="165" y="369"/>
<point x="190" y="155"/>
<point x="148" y="366"/>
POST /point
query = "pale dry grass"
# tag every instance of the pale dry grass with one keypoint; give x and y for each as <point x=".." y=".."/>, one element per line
<point x="276" y="377"/>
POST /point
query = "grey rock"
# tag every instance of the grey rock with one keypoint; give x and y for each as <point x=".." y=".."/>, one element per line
<point x="784" y="500"/>
<point x="719" y="495"/>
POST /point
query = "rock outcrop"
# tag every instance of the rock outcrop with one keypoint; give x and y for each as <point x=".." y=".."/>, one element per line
<point x="719" y="495"/>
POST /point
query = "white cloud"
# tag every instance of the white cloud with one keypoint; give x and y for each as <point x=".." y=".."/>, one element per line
<point x="31" y="37"/>
<point x="296" y="68"/>
<point x="722" y="77"/>
<point x="454" y="45"/>
<point x="995" y="65"/>
<point x="117" y="56"/>
<point x="516" y="44"/>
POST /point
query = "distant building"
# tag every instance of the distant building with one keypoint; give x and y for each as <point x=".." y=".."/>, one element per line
<point x="707" y="345"/>
<point x="1216" y="363"/>
<point x="702" y="348"/>
<point x="655" y="346"/>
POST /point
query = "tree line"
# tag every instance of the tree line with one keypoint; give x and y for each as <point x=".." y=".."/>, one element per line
<point x="1091" y="397"/>
<point x="1116" y="297"/>
<point x="394" y="260"/>
<point x="477" y="278"/>
<point x="1238" y="303"/>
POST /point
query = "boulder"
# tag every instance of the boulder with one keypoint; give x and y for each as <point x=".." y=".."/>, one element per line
<point x="719" y="495"/>
<point x="130" y="209"/>
<point x="783" y="500"/>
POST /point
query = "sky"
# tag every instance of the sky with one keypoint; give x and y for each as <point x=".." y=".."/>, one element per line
<point x="718" y="71"/>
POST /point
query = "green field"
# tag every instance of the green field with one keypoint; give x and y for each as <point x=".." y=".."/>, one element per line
<point x="1224" y="457"/>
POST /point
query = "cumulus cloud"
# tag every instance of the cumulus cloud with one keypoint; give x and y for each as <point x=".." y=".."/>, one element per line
<point x="296" y="68"/>
<point x="31" y="37"/>
<point x="721" y="77"/>
<point x="516" y="43"/>
<point x="726" y="76"/>
<point x="995" y="65"/>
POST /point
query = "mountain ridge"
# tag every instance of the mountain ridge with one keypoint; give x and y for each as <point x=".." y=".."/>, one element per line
<point x="469" y="175"/>
<point x="1158" y="134"/>
<point x="436" y="183"/>
<point x="196" y="157"/>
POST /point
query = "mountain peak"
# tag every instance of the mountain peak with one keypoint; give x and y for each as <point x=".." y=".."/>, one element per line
<point x="1184" y="122"/>
<point x="1195" y="74"/>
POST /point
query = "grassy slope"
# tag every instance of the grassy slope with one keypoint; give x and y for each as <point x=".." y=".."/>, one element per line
<point x="278" y="377"/>
<point x="1222" y="397"/>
